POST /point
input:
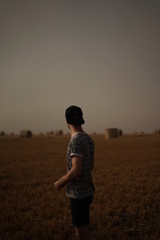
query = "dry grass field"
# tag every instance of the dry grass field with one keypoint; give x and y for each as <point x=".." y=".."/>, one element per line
<point x="127" y="179"/>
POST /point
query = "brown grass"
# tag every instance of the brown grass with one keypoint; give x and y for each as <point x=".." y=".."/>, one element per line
<point x="126" y="176"/>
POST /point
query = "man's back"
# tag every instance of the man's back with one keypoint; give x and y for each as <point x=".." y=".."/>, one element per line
<point x="81" y="145"/>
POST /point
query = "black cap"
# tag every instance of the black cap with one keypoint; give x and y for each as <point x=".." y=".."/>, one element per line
<point x="74" y="115"/>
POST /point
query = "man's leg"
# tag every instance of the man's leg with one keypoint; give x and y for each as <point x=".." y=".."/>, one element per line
<point x="80" y="217"/>
<point x="82" y="233"/>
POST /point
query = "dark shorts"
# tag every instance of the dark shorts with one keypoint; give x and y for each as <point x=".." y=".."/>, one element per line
<point x="80" y="211"/>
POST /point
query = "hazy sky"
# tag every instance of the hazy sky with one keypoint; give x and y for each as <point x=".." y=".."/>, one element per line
<point x="103" y="56"/>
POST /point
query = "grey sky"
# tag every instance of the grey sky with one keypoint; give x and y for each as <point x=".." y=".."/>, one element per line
<point x="103" y="56"/>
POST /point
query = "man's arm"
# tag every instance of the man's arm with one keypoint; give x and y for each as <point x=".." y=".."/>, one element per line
<point x="72" y="174"/>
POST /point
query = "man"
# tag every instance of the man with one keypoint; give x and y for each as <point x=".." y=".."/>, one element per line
<point x="80" y="161"/>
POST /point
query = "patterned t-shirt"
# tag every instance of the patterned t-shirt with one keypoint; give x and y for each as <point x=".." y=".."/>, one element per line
<point x="81" y="144"/>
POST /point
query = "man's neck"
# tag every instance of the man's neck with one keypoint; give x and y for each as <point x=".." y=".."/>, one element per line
<point x="75" y="129"/>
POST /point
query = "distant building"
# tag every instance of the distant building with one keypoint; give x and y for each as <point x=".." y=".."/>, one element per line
<point x="111" y="133"/>
<point x="2" y="133"/>
<point x="120" y="132"/>
<point x="59" y="132"/>
<point x="157" y="131"/>
<point x="50" y="133"/>
<point x="26" y="133"/>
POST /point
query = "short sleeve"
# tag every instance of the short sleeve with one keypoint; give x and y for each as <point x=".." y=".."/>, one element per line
<point x="77" y="149"/>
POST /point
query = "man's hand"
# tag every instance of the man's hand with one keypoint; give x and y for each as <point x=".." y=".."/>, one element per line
<point x="59" y="184"/>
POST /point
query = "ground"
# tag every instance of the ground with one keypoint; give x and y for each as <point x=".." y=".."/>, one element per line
<point x="126" y="204"/>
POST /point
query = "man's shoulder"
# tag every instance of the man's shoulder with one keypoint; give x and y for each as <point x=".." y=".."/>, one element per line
<point x="81" y="137"/>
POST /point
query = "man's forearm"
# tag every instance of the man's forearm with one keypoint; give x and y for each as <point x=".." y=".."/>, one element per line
<point x="70" y="176"/>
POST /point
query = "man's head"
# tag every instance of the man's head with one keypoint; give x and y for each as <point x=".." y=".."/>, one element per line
<point x="74" y="116"/>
